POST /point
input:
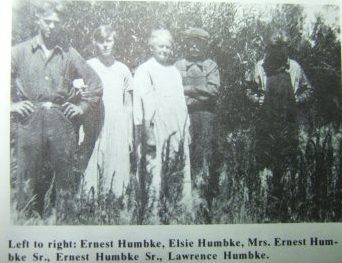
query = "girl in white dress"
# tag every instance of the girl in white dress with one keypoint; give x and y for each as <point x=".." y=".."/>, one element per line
<point x="112" y="148"/>
<point x="159" y="104"/>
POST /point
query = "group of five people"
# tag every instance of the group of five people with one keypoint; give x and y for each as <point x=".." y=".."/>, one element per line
<point x="62" y="104"/>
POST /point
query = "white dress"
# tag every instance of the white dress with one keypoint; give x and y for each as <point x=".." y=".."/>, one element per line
<point x="159" y="100"/>
<point x="111" y="151"/>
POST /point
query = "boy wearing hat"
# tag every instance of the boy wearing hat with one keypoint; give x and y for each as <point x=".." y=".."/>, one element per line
<point x="201" y="80"/>
<point x="45" y="108"/>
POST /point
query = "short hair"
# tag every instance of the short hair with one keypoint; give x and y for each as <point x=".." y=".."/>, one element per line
<point x="159" y="34"/>
<point x="47" y="8"/>
<point x="102" y="32"/>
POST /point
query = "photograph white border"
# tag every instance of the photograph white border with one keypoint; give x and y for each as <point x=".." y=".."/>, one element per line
<point x="241" y="232"/>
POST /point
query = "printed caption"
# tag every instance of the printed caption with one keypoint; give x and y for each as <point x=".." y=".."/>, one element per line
<point x="174" y="249"/>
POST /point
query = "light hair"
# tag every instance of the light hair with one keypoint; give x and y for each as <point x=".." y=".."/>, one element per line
<point x="159" y="34"/>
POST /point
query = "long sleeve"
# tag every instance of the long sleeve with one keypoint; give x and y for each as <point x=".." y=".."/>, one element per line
<point x="213" y="77"/>
<point x="256" y="83"/>
<point x="199" y="89"/>
<point x="17" y="90"/>
<point x="94" y="91"/>
<point x="201" y="82"/>
<point x="143" y="97"/>
<point x="128" y="104"/>
<point x="301" y="86"/>
<point x="303" y="90"/>
<point x="13" y="75"/>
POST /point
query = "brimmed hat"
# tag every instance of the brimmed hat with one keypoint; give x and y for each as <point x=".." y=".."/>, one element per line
<point x="194" y="32"/>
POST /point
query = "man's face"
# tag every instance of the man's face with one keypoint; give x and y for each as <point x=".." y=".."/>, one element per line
<point x="49" y="26"/>
<point x="195" y="47"/>
<point x="104" y="46"/>
<point x="162" y="50"/>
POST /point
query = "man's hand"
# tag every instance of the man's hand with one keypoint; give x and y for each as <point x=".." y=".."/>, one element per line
<point x="72" y="110"/>
<point x="23" y="108"/>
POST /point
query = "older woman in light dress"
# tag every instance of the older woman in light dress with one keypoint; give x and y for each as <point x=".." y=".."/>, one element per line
<point x="159" y="103"/>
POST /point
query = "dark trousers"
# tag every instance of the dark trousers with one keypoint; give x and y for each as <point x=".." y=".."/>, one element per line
<point x="205" y="156"/>
<point x="45" y="149"/>
<point x="202" y="138"/>
<point x="277" y="141"/>
<point x="92" y="126"/>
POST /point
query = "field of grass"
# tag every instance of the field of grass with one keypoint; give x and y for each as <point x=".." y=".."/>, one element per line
<point x="310" y="187"/>
<point x="311" y="191"/>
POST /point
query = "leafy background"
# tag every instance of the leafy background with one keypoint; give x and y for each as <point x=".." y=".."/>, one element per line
<point x="314" y="188"/>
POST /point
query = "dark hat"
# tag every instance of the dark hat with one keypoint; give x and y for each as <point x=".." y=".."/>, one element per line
<point x="194" y="32"/>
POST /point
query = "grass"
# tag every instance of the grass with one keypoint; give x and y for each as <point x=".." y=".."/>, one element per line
<point x="312" y="190"/>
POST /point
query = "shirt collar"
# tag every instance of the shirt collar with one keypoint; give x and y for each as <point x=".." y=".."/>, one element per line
<point x="37" y="43"/>
<point x="189" y="64"/>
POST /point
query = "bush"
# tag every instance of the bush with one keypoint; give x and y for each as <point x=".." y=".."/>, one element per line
<point x="313" y="185"/>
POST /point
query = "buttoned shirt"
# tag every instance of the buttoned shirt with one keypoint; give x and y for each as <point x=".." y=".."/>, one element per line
<point x="201" y="81"/>
<point x="40" y="78"/>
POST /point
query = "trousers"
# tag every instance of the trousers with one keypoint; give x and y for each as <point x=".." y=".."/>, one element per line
<point x="45" y="149"/>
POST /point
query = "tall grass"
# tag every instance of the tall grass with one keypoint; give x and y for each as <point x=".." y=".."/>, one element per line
<point x="312" y="190"/>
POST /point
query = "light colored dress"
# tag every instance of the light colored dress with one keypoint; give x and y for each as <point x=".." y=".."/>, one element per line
<point x="159" y="100"/>
<point x="111" y="151"/>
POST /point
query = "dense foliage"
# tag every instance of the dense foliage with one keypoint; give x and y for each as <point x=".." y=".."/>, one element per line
<point x="313" y="187"/>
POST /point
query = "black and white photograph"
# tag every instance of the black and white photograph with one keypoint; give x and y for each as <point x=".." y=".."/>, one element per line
<point x="175" y="113"/>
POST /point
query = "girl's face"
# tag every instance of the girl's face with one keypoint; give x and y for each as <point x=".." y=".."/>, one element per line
<point x="104" y="46"/>
<point x="162" y="50"/>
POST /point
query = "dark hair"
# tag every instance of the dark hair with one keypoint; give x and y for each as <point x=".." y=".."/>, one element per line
<point x="103" y="31"/>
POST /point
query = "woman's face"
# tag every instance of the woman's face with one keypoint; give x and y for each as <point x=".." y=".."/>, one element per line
<point x="104" y="46"/>
<point x="162" y="50"/>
